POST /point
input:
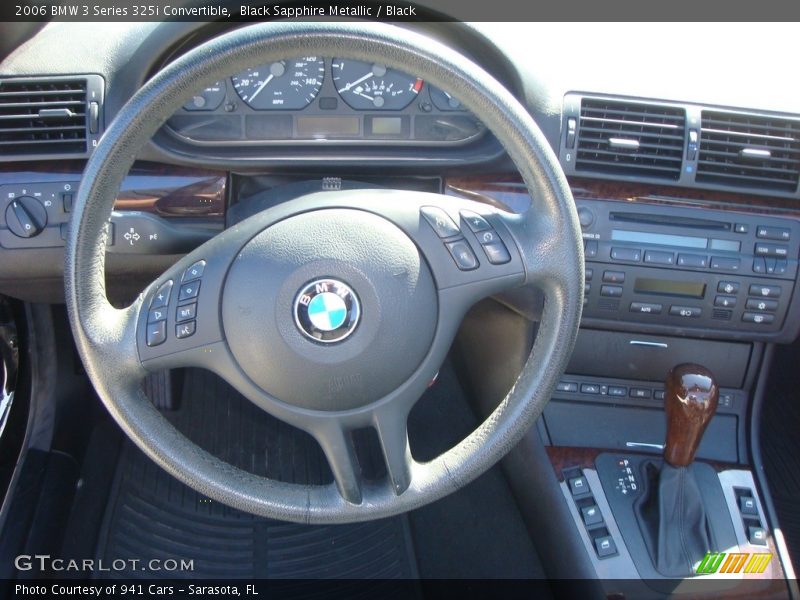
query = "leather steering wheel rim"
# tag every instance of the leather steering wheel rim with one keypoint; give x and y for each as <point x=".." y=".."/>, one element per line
<point x="547" y="237"/>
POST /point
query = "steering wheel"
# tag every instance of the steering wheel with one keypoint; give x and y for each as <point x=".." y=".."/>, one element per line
<point x="334" y="311"/>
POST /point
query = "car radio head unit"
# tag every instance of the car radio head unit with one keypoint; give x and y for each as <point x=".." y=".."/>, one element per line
<point x="726" y="271"/>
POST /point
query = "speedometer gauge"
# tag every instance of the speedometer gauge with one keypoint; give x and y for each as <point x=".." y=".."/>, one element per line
<point x="368" y="86"/>
<point x="284" y="85"/>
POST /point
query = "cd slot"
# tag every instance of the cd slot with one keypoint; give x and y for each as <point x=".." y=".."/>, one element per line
<point x="669" y="220"/>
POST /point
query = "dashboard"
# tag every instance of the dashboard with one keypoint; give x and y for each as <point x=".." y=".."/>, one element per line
<point x="704" y="161"/>
<point x="331" y="100"/>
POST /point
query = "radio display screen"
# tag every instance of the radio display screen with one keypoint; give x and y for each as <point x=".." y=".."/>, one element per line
<point x="664" y="287"/>
<point x="678" y="241"/>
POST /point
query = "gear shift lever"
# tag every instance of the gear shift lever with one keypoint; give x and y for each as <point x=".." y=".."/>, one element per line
<point x="691" y="399"/>
<point x="672" y="513"/>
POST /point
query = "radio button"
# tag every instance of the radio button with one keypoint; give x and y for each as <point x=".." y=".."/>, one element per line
<point x="725" y="264"/>
<point x="725" y="301"/>
<point x="614" y="291"/>
<point x="659" y="258"/>
<point x="741" y="228"/>
<point x="765" y="291"/>
<point x="781" y="266"/>
<point x="588" y="274"/>
<point x="761" y="304"/>
<point x="627" y="254"/>
<point x="728" y="287"/>
<point x="771" y="250"/>
<point x="614" y="276"/>
<point x="590" y="248"/>
<point x="758" y="318"/>
<point x="696" y="261"/>
<point x="647" y="308"/>
<point x="759" y="265"/>
<point x="773" y="233"/>
<point x="692" y="312"/>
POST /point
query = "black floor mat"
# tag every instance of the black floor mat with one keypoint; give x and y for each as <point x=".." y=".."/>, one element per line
<point x="780" y="443"/>
<point x="151" y="515"/>
<point x="477" y="532"/>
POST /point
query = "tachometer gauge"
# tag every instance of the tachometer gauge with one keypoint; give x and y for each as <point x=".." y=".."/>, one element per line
<point x="284" y="85"/>
<point x="207" y="99"/>
<point x="367" y="86"/>
<point x="443" y="100"/>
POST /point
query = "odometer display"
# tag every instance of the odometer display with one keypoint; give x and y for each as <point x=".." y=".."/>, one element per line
<point x="289" y="84"/>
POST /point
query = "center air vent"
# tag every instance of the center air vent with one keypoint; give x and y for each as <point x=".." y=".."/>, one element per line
<point x="630" y="139"/>
<point x="753" y="151"/>
<point x="49" y="117"/>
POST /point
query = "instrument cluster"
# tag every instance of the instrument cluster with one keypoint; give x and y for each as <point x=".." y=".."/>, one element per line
<point x="312" y="98"/>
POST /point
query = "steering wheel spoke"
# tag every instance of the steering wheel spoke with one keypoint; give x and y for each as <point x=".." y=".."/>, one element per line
<point x="337" y="445"/>
<point x="392" y="428"/>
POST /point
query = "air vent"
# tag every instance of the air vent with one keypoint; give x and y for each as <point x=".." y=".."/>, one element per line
<point x="49" y="117"/>
<point x="753" y="151"/>
<point x="631" y="139"/>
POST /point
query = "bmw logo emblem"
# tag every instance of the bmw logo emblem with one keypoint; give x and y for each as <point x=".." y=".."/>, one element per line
<point x="327" y="310"/>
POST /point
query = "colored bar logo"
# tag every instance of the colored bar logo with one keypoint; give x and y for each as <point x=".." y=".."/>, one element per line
<point x="734" y="562"/>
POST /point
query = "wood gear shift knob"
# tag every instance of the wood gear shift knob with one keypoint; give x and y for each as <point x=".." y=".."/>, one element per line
<point x="690" y="400"/>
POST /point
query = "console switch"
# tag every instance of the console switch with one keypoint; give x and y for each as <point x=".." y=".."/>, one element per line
<point x="605" y="546"/>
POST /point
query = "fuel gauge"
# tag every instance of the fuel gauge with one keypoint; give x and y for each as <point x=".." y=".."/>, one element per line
<point x="444" y="101"/>
<point x="208" y="99"/>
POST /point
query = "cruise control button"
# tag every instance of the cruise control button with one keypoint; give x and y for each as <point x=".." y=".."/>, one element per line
<point x="761" y="304"/>
<point x="758" y="318"/>
<point x="462" y="254"/>
<point x="195" y="271"/>
<point x="474" y="221"/>
<point x="156" y="333"/>
<point x="161" y="297"/>
<point x="441" y="222"/>
<point x="765" y="291"/>
<point x="189" y="291"/>
<point x="184" y="330"/>
<point x="157" y="314"/>
<point x="186" y="312"/>
<point x="496" y="253"/>
<point x="685" y="311"/>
